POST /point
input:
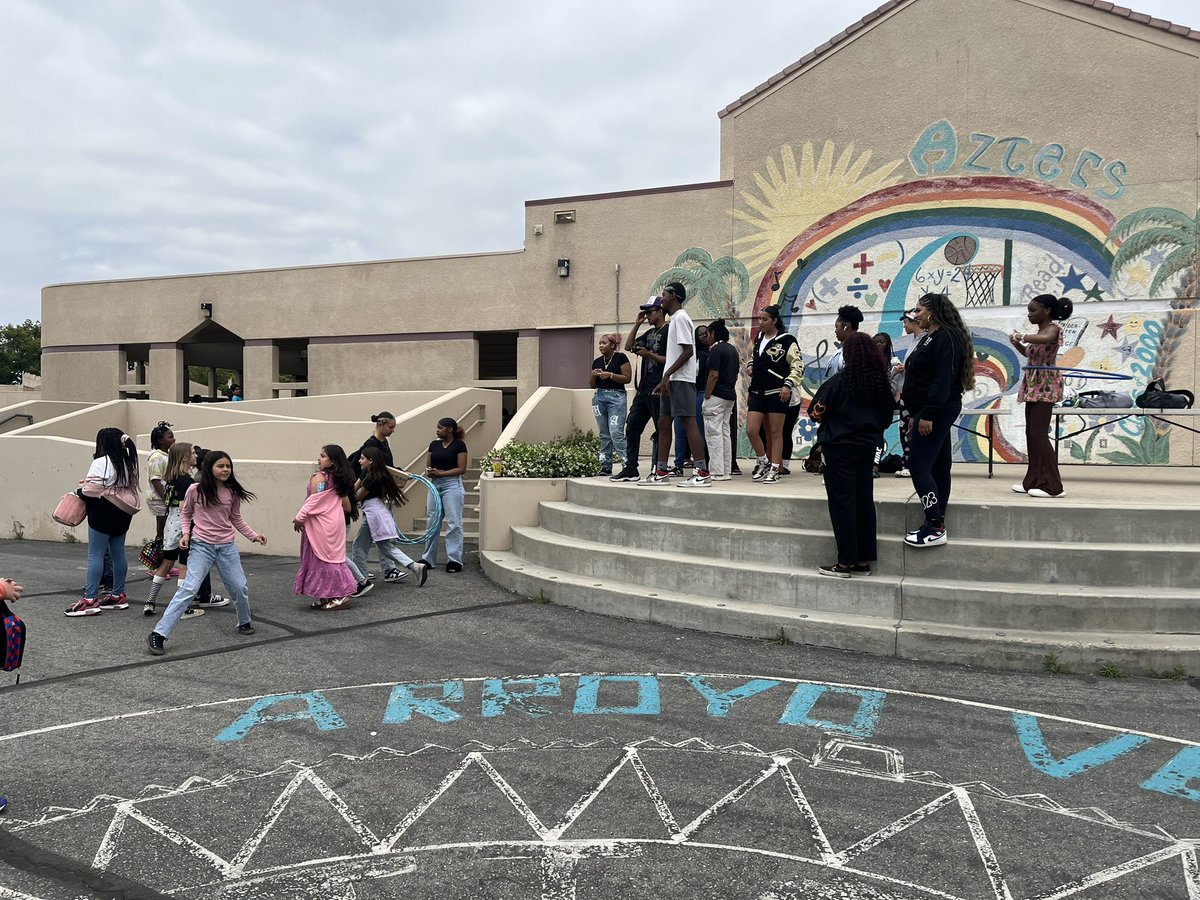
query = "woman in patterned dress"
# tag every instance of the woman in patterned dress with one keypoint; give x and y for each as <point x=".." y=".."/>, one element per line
<point x="1041" y="388"/>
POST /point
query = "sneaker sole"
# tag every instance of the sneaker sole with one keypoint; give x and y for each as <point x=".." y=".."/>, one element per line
<point x="71" y="614"/>
<point x="833" y="574"/>
<point x="224" y="602"/>
<point x="424" y="576"/>
<point x="115" y="608"/>
<point x="936" y="542"/>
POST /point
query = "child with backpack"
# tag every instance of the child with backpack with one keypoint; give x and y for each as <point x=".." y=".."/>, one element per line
<point x="211" y="516"/>
<point x="177" y="477"/>
<point x="321" y="523"/>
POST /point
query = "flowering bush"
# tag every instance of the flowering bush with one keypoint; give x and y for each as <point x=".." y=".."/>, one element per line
<point x="576" y="456"/>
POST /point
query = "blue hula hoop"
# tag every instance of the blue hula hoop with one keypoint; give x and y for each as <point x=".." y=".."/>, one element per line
<point x="1085" y="374"/>
<point x="434" y="526"/>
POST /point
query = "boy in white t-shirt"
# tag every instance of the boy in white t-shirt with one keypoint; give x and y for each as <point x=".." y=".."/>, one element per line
<point x="677" y="392"/>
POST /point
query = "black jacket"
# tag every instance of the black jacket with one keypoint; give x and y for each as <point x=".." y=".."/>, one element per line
<point x="845" y="421"/>
<point x="932" y="374"/>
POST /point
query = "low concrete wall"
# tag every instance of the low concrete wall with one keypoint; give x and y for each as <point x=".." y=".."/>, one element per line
<point x="508" y="502"/>
<point x="41" y="410"/>
<point x="344" y="407"/>
<point x="550" y="413"/>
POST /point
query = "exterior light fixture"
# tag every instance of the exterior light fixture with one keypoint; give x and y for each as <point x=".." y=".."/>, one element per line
<point x="206" y="310"/>
<point x="564" y="268"/>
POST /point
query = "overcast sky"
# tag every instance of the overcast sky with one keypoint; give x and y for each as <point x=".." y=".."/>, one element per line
<point x="155" y="138"/>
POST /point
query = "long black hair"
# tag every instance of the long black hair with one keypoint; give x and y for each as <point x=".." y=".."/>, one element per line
<point x="378" y="474"/>
<point x="945" y="314"/>
<point x="208" y="486"/>
<point x="121" y="452"/>
<point x="341" y="476"/>
<point x="866" y="372"/>
<point x="1060" y="307"/>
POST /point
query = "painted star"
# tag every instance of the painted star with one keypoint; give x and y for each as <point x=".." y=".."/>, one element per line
<point x="1126" y="350"/>
<point x="1156" y="257"/>
<point x="1072" y="280"/>
<point x="1095" y="293"/>
<point x="1110" y="328"/>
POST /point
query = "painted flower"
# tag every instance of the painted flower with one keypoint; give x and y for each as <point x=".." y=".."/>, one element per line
<point x="806" y="430"/>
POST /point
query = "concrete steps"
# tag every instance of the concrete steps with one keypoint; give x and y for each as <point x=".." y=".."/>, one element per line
<point x="1019" y="581"/>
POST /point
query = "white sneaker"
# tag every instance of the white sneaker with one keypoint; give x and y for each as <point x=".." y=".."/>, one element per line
<point x="1018" y="488"/>
<point x="1038" y="492"/>
<point x="903" y="473"/>
<point x="655" y="479"/>
<point x="771" y="477"/>
<point x="193" y="613"/>
<point x="697" y="480"/>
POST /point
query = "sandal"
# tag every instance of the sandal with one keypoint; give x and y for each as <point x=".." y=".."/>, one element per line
<point x="319" y="604"/>
<point x="338" y="603"/>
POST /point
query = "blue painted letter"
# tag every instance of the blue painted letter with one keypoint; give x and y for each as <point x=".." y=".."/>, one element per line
<point x="937" y="138"/>
<point x="404" y="702"/>
<point x="501" y="694"/>
<point x="588" y="695"/>
<point x="1173" y="779"/>
<point x="1086" y="158"/>
<point x="1029" y="733"/>
<point x="720" y="703"/>
<point x="1046" y="163"/>
<point x="866" y="717"/>
<point x="316" y="708"/>
<point x="1010" y="167"/>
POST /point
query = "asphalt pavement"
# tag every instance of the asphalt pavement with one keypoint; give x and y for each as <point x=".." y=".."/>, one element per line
<point x="459" y="741"/>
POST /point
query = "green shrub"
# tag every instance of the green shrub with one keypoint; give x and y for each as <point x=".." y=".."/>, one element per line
<point x="576" y="456"/>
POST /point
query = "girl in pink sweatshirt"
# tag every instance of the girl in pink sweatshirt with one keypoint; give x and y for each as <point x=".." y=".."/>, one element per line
<point x="321" y="523"/>
<point x="211" y="516"/>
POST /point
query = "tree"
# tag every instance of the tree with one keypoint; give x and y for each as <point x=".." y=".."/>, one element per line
<point x="20" y="351"/>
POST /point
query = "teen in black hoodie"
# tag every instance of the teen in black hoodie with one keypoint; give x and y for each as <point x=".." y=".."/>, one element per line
<point x="936" y="372"/>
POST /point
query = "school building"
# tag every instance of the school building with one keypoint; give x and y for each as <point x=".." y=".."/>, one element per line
<point x="989" y="149"/>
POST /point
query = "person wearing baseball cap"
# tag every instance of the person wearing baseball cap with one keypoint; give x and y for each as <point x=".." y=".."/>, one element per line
<point x="650" y="347"/>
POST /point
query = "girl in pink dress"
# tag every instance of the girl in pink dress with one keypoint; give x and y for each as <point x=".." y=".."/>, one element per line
<point x="1041" y="388"/>
<point x="321" y="523"/>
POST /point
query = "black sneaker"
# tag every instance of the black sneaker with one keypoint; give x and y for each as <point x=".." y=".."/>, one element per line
<point x="248" y="628"/>
<point x="626" y="475"/>
<point x="395" y="576"/>
<point x="453" y="567"/>
<point x="837" y="570"/>
<point x="421" y="570"/>
<point x="214" y="601"/>
<point x="677" y="471"/>
<point x="154" y="643"/>
<point x="362" y="588"/>
<point x="860" y="571"/>
<point x="927" y="536"/>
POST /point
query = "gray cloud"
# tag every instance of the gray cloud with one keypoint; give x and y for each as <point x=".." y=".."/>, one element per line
<point x="171" y="137"/>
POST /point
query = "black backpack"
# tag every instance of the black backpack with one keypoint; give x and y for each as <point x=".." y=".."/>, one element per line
<point x="14" y="639"/>
<point x="1156" y="396"/>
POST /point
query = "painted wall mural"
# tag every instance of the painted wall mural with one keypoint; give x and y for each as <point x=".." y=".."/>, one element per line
<point x="991" y="221"/>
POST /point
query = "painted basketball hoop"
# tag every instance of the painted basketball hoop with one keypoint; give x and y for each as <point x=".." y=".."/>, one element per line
<point x="980" y="281"/>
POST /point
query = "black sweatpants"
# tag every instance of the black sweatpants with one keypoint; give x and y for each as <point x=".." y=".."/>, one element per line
<point x="850" y="487"/>
<point x="929" y="461"/>
<point x="642" y="412"/>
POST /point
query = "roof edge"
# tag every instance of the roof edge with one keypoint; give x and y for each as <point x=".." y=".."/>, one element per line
<point x="670" y="189"/>
<point x="838" y="39"/>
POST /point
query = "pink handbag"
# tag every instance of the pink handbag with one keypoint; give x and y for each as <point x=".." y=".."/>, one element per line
<point x="71" y="510"/>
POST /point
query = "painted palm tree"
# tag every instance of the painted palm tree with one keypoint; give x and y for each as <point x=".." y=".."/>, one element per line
<point x="717" y="288"/>
<point x="1173" y="231"/>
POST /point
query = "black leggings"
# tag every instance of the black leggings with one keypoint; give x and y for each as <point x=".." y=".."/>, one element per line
<point x="929" y="461"/>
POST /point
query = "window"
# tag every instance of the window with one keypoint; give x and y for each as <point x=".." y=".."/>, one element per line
<point x="564" y="216"/>
<point x="497" y="354"/>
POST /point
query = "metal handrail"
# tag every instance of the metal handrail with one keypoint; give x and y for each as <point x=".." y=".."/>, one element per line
<point x="8" y="419"/>
<point x="480" y="410"/>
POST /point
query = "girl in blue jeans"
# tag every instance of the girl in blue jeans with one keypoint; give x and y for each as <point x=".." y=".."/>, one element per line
<point x="211" y="517"/>
<point x="446" y="465"/>
<point x="110" y="490"/>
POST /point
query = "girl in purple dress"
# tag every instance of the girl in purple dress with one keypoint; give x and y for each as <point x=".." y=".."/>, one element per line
<point x="321" y="523"/>
<point x="1041" y="388"/>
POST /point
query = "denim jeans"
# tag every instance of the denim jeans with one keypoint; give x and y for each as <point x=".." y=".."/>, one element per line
<point x="201" y="558"/>
<point x="451" y="491"/>
<point x="609" y="408"/>
<point x="100" y="544"/>
<point x="390" y="554"/>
